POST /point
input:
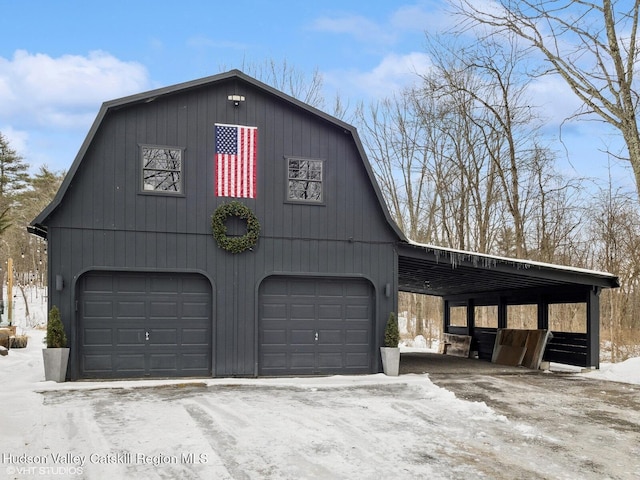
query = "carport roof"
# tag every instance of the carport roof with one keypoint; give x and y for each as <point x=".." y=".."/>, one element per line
<point x="444" y="272"/>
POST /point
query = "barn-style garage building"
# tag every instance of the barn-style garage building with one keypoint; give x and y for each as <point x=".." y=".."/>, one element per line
<point x="222" y="228"/>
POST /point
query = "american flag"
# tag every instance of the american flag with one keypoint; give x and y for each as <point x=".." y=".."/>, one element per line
<point x="236" y="155"/>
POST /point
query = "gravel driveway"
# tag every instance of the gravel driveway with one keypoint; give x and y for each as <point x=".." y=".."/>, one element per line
<point x="500" y="424"/>
<point x="591" y="424"/>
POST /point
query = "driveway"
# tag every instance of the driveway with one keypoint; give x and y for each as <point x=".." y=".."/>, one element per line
<point x="506" y="425"/>
<point x="592" y="425"/>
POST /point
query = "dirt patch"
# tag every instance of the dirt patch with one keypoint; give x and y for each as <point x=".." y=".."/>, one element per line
<point x="591" y="424"/>
<point x="594" y="424"/>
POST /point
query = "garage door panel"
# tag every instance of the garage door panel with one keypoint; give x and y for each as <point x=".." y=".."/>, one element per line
<point x="163" y="336"/>
<point x="275" y="310"/>
<point x="330" y="311"/>
<point x="358" y="289"/>
<point x="330" y="360"/>
<point x="130" y="336"/>
<point x="302" y="336"/>
<point x="306" y="289"/>
<point x="98" y="284"/>
<point x="330" y="324"/>
<point x="301" y="312"/>
<point x="114" y="325"/>
<point x="330" y="337"/>
<point x="97" y="363"/>
<point x="356" y="360"/>
<point x="98" y="309"/>
<point x="276" y="361"/>
<point x="357" y="337"/>
<point x="163" y="361"/>
<point x="275" y="287"/>
<point x="357" y="312"/>
<point x="330" y="288"/>
<point x="274" y="337"/>
<point x="192" y="309"/>
<point x="293" y="310"/>
<point x="195" y="286"/>
<point x="131" y="309"/>
<point x="164" y="285"/>
<point x="163" y="309"/>
<point x="195" y="362"/>
<point x="130" y="363"/>
<point x="97" y="336"/>
<point x="304" y="360"/>
<point x="130" y="284"/>
<point x="195" y="337"/>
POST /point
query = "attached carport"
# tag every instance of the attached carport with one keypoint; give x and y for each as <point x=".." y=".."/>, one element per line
<point x="472" y="280"/>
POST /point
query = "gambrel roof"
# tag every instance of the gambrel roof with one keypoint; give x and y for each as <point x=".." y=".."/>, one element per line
<point x="38" y="225"/>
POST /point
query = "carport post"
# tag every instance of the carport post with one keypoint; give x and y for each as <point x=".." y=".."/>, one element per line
<point x="593" y="328"/>
<point x="543" y="314"/>
<point x="502" y="313"/>
<point x="471" y="316"/>
<point x="446" y="316"/>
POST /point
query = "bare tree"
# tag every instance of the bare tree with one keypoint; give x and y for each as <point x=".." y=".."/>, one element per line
<point x="395" y="136"/>
<point x="591" y="45"/>
<point x="288" y="79"/>
<point x="553" y="222"/>
<point x="467" y="190"/>
<point x="615" y="237"/>
<point x="495" y="101"/>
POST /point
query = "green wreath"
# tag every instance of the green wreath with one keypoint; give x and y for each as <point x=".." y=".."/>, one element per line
<point x="235" y="244"/>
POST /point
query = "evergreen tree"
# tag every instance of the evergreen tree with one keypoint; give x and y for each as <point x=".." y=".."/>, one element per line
<point x="41" y="188"/>
<point x="13" y="171"/>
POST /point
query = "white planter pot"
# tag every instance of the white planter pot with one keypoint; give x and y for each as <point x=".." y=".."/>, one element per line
<point x="390" y="361"/>
<point x="55" y="363"/>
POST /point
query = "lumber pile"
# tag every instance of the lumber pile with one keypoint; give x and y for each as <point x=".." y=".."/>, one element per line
<point x="520" y="347"/>
<point x="456" y="345"/>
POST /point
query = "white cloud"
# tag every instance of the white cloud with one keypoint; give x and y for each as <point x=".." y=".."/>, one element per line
<point x="422" y="18"/>
<point x="63" y="92"/>
<point x="357" y="26"/>
<point x="554" y="98"/>
<point x="393" y="73"/>
<point x="425" y="15"/>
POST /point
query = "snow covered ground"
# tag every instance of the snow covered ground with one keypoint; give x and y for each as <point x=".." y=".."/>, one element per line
<point x="355" y="427"/>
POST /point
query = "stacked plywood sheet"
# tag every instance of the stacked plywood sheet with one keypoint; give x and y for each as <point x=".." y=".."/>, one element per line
<point x="520" y="347"/>
<point x="456" y="345"/>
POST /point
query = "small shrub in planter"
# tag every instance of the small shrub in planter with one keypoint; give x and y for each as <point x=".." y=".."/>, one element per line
<point x="56" y="338"/>
<point x="56" y="355"/>
<point x="390" y="352"/>
<point x="391" y="332"/>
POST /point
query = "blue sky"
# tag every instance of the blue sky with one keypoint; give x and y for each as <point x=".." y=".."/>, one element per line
<point x="59" y="60"/>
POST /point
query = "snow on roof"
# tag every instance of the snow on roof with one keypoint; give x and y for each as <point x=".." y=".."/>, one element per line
<point x="514" y="261"/>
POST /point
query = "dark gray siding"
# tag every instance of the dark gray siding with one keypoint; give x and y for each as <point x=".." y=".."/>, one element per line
<point x="104" y="222"/>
